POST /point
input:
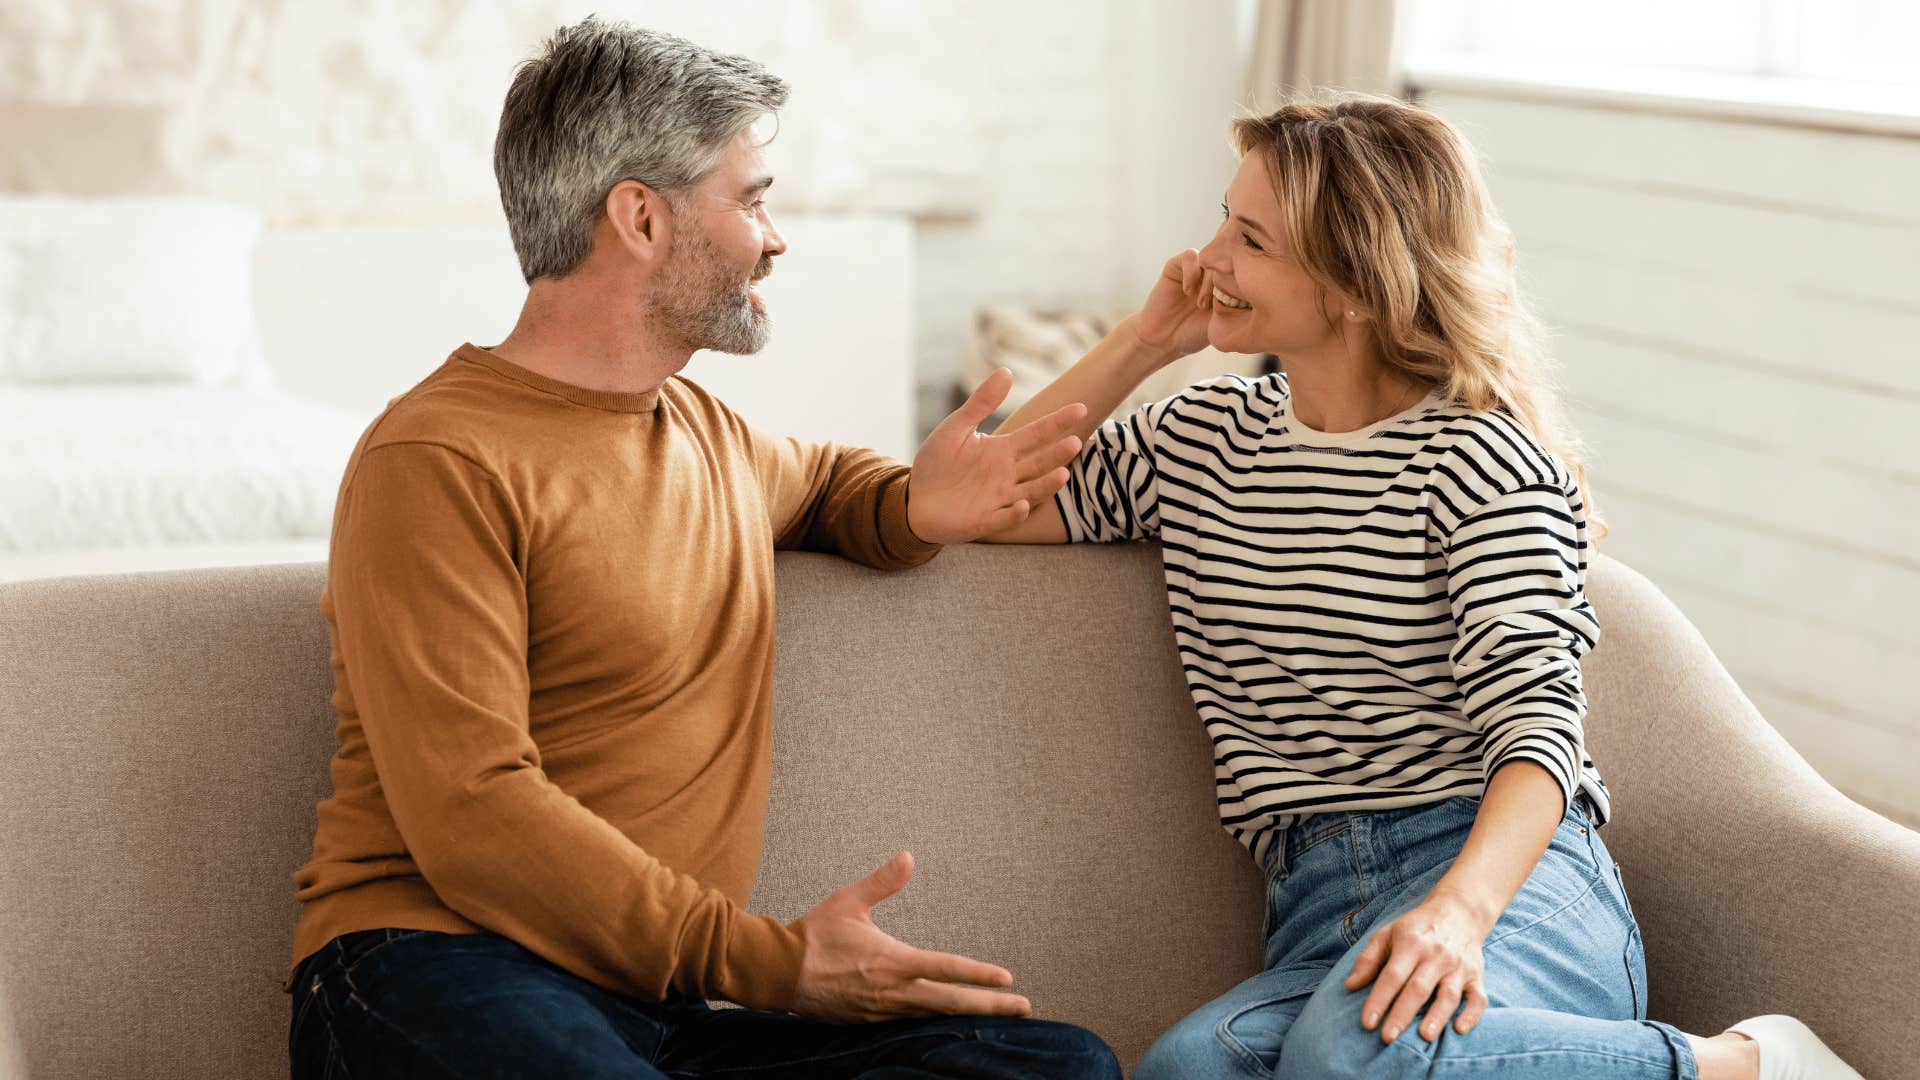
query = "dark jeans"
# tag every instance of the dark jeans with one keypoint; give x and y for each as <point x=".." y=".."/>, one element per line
<point x="417" y="1003"/>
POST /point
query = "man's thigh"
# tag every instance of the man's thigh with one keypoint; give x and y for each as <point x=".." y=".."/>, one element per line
<point x="424" y="1004"/>
<point x="755" y="1043"/>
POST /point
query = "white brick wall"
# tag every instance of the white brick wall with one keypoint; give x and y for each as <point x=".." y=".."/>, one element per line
<point x="1052" y="153"/>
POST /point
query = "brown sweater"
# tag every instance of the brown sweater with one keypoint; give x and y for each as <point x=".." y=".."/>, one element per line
<point x="552" y="615"/>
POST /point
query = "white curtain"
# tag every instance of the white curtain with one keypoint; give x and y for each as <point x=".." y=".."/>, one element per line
<point x="1301" y="46"/>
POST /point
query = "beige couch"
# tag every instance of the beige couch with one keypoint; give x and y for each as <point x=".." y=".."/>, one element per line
<point x="1014" y="716"/>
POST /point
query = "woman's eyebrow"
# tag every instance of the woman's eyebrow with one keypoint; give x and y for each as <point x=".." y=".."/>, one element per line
<point x="1245" y="220"/>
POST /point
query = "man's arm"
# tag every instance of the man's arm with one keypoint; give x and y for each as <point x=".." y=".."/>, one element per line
<point x="430" y="610"/>
<point x="1102" y="380"/>
<point x="430" y="607"/>
<point x="963" y="483"/>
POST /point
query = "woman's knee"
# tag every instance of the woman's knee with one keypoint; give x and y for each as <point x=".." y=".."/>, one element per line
<point x="1328" y="1040"/>
<point x="1243" y="1041"/>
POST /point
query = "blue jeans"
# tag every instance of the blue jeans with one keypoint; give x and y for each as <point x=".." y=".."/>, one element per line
<point x="416" y="1003"/>
<point x="1566" y="978"/>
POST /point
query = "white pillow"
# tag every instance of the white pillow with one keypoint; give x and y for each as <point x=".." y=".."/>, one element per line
<point x="127" y="289"/>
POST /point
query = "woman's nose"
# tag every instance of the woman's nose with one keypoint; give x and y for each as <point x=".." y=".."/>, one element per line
<point x="1213" y="255"/>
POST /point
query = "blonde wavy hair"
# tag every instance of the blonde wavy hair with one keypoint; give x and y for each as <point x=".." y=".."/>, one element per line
<point x="1384" y="205"/>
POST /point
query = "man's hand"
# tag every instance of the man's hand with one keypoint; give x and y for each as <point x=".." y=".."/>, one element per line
<point x="966" y="484"/>
<point x="852" y="971"/>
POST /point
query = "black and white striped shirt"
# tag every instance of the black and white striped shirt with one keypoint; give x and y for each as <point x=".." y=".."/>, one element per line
<point x="1370" y="619"/>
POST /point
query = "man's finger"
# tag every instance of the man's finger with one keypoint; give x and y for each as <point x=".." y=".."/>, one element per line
<point x="954" y="968"/>
<point x="1046" y="429"/>
<point x="1033" y="491"/>
<point x="949" y="999"/>
<point x="1049" y="459"/>
<point x="985" y="398"/>
<point x="884" y="882"/>
<point x="1006" y="517"/>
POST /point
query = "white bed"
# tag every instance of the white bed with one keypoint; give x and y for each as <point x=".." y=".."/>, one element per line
<point x="99" y="477"/>
<point x="138" y="434"/>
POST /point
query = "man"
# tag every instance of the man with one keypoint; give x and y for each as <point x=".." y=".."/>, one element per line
<point x="551" y="589"/>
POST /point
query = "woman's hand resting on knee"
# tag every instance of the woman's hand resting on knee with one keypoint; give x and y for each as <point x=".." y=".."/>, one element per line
<point x="1431" y="953"/>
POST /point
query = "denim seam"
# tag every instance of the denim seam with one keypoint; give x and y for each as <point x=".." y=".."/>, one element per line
<point x="353" y="995"/>
<point x="336" y="1061"/>
<point x="1223" y="1030"/>
<point x="1542" y="920"/>
<point x="1450" y="1059"/>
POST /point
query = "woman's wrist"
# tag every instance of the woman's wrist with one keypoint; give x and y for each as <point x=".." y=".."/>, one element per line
<point x="1484" y="910"/>
<point x="1140" y="357"/>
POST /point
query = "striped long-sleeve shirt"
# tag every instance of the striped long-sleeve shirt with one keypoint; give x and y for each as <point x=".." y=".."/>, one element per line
<point x="1371" y="619"/>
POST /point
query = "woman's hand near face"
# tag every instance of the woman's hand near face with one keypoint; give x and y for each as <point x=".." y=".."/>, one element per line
<point x="1174" y="318"/>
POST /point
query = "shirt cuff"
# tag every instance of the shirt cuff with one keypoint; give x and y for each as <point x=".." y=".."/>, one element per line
<point x="896" y="537"/>
<point x="762" y="965"/>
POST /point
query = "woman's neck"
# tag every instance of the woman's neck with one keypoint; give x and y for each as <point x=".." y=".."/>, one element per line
<point x="1340" y="397"/>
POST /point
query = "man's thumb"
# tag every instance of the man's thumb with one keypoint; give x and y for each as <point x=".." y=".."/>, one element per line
<point x="884" y="882"/>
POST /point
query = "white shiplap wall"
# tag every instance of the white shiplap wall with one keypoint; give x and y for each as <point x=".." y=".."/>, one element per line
<point x="1736" y="308"/>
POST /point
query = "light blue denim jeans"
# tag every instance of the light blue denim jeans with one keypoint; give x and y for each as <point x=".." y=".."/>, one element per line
<point x="1566" y="977"/>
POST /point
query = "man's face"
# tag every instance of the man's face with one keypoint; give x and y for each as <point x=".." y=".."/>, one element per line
<point x="723" y="242"/>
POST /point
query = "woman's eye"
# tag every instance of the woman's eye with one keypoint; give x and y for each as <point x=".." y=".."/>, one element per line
<point x="1248" y="240"/>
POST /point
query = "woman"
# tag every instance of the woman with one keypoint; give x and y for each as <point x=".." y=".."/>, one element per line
<point x="1375" y="567"/>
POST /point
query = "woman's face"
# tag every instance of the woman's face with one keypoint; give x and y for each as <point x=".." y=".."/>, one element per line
<point x="1270" y="304"/>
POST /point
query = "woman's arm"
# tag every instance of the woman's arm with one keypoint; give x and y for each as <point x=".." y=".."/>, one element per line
<point x="1172" y="324"/>
<point x="1433" y="952"/>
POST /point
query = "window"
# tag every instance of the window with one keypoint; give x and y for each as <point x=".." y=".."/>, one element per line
<point x="1849" y="55"/>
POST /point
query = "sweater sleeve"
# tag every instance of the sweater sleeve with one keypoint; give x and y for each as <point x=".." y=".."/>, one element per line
<point x="837" y="499"/>
<point x="1112" y="491"/>
<point x="1516" y="570"/>
<point x="426" y="591"/>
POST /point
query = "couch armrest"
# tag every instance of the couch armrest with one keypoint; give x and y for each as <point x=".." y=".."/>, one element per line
<point x="1759" y="887"/>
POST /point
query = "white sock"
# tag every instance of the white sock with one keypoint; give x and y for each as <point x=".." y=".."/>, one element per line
<point x="1789" y="1050"/>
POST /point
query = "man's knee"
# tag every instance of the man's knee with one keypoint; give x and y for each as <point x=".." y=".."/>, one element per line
<point x="1049" y="1048"/>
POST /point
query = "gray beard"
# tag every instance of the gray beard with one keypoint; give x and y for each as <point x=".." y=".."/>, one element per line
<point x="698" y="304"/>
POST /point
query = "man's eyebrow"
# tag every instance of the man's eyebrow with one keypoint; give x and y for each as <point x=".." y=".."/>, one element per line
<point x="757" y="187"/>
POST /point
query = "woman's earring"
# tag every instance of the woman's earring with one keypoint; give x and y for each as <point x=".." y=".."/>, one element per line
<point x="1352" y="314"/>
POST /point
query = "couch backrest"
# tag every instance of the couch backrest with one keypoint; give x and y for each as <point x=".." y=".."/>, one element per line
<point x="1015" y="716"/>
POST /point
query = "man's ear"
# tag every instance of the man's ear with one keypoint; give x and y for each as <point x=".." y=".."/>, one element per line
<point x="638" y="218"/>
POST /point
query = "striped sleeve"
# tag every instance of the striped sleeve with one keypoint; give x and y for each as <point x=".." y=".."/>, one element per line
<point x="1516" y="567"/>
<point x="1112" y="490"/>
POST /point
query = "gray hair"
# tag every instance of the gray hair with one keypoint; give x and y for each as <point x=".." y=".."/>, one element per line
<point x="606" y="102"/>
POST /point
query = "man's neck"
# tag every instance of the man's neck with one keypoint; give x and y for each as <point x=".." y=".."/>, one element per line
<point x="576" y="332"/>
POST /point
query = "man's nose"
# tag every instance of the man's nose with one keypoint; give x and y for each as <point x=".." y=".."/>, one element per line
<point x="771" y="241"/>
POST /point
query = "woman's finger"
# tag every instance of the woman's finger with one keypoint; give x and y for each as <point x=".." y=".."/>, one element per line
<point x="1367" y="964"/>
<point x="1417" y="991"/>
<point x="1445" y="1001"/>
<point x="1399" y="967"/>
<point x="1470" y="1014"/>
